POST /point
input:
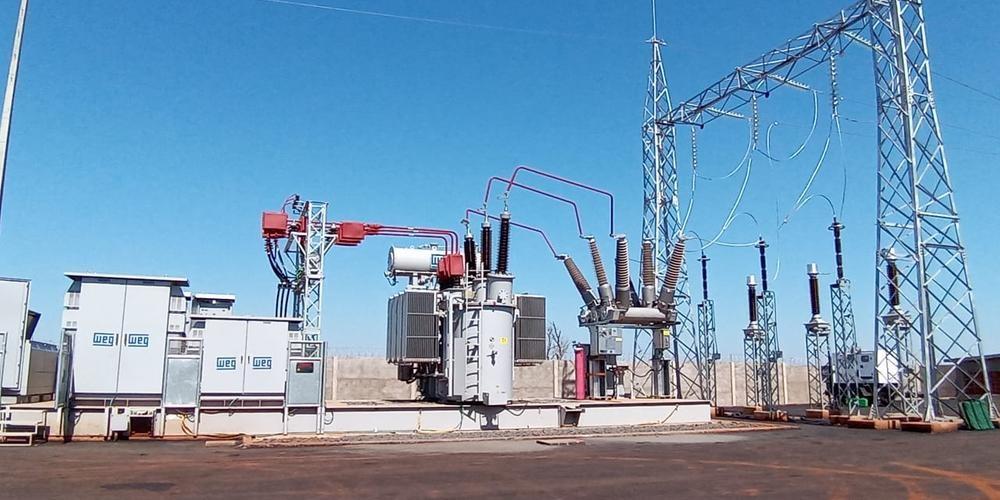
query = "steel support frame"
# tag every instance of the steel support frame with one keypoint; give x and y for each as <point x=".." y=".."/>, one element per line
<point x="916" y="216"/>
<point x="661" y="225"/>
<point x="311" y="246"/>
<point x="817" y="354"/>
<point x="844" y="376"/>
<point x="768" y="381"/>
<point x="753" y="359"/>
<point x="708" y="350"/>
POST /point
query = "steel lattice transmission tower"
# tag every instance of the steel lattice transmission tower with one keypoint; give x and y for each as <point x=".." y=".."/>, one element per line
<point x="661" y="226"/>
<point x="926" y="319"/>
<point x="918" y="221"/>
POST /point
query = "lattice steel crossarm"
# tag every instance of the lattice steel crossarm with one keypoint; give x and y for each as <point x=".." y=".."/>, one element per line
<point x="777" y="68"/>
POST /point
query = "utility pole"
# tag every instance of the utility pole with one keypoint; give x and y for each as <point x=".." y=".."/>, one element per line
<point x="8" y="98"/>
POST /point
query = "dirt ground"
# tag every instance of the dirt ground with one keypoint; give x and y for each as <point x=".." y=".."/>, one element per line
<point x="808" y="462"/>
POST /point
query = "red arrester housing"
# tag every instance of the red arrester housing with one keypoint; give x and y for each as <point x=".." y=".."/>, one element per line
<point x="350" y="234"/>
<point x="274" y="225"/>
<point x="451" y="266"/>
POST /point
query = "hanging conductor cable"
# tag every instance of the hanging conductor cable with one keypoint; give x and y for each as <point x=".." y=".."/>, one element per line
<point x="571" y="182"/>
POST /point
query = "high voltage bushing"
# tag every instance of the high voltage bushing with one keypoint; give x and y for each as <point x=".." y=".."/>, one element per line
<point x="503" y="250"/>
<point x="762" y="247"/>
<point x="582" y="286"/>
<point x="470" y="254"/>
<point x="486" y="247"/>
<point x="837" y="227"/>
<point x="622" y="290"/>
<point x="813" y="289"/>
<point x="704" y="277"/>
<point x="752" y="302"/>
<point x="673" y="274"/>
<point x="603" y="287"/>
<point x="648" y="273"/>
<point x="892" y="274"/>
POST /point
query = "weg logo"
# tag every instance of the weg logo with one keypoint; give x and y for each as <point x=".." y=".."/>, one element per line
<point x="104" y="339"/>
<point x="225" y="363"/>
<point x="261" y="363"/>
<point x="137" y="340"/>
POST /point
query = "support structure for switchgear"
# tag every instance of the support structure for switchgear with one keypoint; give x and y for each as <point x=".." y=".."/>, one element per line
<point x="312" y="244"/>
<point x="661" y="226"/>
<point x="708" y="350"/>
<point x="767" y="313"/>
<point x="817" y="347"/>
<point x="844" y="375"/>
<point x="916" y="216"/>
<point x="754" y="351"/>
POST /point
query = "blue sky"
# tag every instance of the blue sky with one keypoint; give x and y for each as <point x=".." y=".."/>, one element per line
<point x="148" y="137"/>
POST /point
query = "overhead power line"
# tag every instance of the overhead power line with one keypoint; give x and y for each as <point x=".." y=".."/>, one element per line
<point x="446" y="22"/>
<point x="967" y="86"/>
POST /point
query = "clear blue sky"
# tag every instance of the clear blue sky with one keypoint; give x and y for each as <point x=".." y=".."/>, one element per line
<point x="148" y="137"/>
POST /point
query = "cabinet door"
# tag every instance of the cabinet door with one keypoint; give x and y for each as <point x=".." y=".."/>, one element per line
<point x="13" y="312"/>
<point x="267" y="357"/>
<point x="223" y="354"/>
<point x="97" y="342"/>
<point x="143" y="340"/>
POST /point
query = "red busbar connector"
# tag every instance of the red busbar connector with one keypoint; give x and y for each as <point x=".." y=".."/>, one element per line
<point x="451" y="266"/>
<point x="351" y="234"/>
<point x="274" y="225"/>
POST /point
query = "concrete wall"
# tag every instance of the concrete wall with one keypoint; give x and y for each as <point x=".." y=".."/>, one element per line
<point x="372" y="378"/>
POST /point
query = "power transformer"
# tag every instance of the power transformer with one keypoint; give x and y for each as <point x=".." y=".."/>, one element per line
<point x="459" y="337"/>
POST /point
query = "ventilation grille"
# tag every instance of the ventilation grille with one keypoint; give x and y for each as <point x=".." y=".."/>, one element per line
<point x="529" y="330"/>
<point x="412" y="327"/>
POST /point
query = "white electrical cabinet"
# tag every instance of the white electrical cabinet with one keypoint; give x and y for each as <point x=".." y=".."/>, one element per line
<point x="13" y="325"/>
<point x="120" y="333"/>
<point x="244" y="355"/>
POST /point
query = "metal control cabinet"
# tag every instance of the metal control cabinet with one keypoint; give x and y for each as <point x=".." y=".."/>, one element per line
<point x="119" y="339"/>
<point x="244" y="355"/>
<point x="13" y="326"/>
<point x="606" y="340"/>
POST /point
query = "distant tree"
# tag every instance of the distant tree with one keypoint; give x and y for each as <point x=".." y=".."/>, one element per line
<point x="557" y="345"/>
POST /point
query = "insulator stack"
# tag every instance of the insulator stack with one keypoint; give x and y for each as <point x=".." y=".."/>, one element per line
<point x="752" y="298"/>
<point x="648" y="272"/>
<point x="603" y="287"/>
<point x="470" y="254"/>
<point x="486" y="247"/>
<point x="586" y="293"/>
<point x="623" y="293"/>
<point x="503" y="250"/>
<point x="674" y="264"/>
<point x="762" y="246"/>
<point x="837" y="227"/>
<point x="704" y="277"/>
<point x="892" y="272"/>
<point x="813" y="289"/>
